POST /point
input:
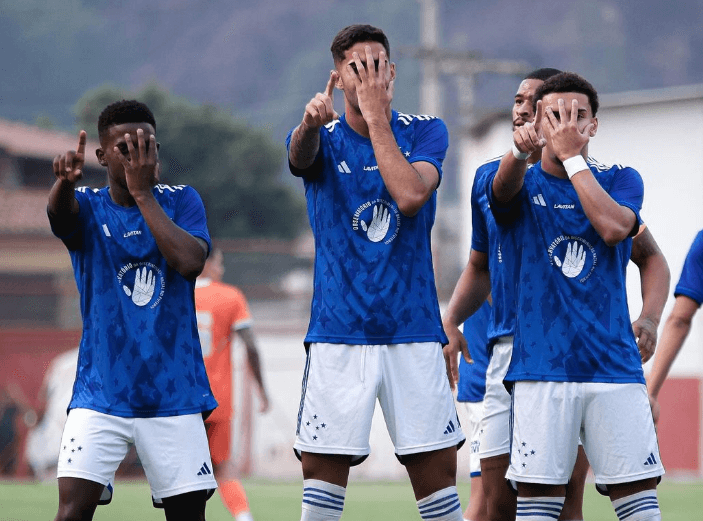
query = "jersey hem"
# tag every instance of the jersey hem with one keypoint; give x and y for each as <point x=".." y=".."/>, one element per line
<point x="575" y="379"/>
<point x="143" y="414"/>
<point x="311" y="339"/>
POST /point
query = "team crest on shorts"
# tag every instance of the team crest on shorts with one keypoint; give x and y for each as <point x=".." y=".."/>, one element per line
<point x="377" y="220"/>
<point x="143" y="282"/>
<point x="573" y="256"/>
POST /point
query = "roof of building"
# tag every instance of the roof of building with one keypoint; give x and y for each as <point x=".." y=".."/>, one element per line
<point x="23" y="140"/>
<point x="24" y="212"/>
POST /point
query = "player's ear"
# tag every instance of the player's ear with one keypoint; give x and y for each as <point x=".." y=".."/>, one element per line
<point x="392" y="71"/>
<point x="594" y="130"/>
<point x="100" y="153"/>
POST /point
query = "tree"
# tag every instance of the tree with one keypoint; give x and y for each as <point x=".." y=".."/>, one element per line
<point x="234" y="167"/>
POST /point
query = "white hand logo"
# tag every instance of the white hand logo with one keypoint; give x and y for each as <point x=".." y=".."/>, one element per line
<point x="143" y="287"/>
<point x="574" y="260"/>
<point x="378" y="228"/>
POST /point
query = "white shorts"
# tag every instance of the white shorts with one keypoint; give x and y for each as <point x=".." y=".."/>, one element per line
<point x="614" y="422"/>
<point x="495" y="420"/>
<point x="474" y="410"/>
<point x="173" y="450"/>
<point x="342" y="382"/>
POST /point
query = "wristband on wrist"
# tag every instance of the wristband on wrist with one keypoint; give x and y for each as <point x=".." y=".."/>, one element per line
<point x="575" y="164"/>
<point x="521" y="156"/>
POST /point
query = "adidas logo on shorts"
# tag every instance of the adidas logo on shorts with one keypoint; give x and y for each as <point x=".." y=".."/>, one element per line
<point x="204" y="470"/>
<point x="651" y="460"/>
<point x="450" y="428"/>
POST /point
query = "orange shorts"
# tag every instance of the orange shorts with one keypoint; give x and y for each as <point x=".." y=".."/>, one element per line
<point x="219" y="435"/>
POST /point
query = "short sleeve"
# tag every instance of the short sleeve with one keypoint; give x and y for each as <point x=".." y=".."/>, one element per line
<point x="430" y="143"/>
<point x="627" y="190"/>
<point x="691" y="280"/>
<point x="190" y="215"/>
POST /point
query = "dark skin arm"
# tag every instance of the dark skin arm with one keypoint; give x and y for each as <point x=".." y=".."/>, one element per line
<point x="654" y="280"/>
<point x="254" y="361"/>
<point x="472" y="289"/>
<point x="183" y="252"/>
<point x="68" y="169"/>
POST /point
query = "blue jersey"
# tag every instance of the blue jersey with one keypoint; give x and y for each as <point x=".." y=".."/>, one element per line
<point x="140" y="353"/>
<point x="373" y="276"/>
<point x="573" y="323"/>
<point x="486" y="239"/>
<point x="691" y="281"/>
<point x="472" y="377"/>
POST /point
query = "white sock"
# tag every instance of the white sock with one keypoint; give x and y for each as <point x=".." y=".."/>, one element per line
<point x="322" y="501"/>
<point x="244" y="516"/>
<point x="642" y="506"/>
<point x="443" y="505"/>
<point x="539" y="508"/>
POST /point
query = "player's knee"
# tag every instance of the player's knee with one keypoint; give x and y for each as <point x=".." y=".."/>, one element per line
<point x="75" y="512"/>
<point x="186" y="507"/>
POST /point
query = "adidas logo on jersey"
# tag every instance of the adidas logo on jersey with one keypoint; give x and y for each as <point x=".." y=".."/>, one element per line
<point x="651" y="460"/>
<point x="204" y="470"/>
<point x="343" y="168"/>
<point x="539" y="200"/>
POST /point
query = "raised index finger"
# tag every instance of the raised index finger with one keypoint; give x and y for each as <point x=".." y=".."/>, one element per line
<point x="329" y="90"/>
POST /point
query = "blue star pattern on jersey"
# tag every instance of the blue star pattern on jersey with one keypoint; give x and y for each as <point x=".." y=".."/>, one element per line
<point x="691" y="281"/>
<point x="572" y="321"/>
<point x="140" y="352"/>
<point x="373" y="278"/>
<point x="486" y="238"/>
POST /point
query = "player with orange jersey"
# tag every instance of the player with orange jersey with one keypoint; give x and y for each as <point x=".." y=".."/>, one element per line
<point x="222" y="310"/>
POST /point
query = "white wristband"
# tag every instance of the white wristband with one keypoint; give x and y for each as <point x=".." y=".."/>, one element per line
<point x="575" y="164"/>
<point x="521" y="156"/>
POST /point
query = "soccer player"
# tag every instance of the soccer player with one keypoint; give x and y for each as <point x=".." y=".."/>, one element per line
<point x="136" y="248"/>
<point x="575" y="370"/>
<point x="472" y="288"/>
<point x="471" y="389"/>
<point x="375" y="329"/>
<point x="222" y="311"/>
<point x="689" y="296"/>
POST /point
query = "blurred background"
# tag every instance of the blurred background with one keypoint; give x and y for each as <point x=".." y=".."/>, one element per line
<point x="228" y="79"/>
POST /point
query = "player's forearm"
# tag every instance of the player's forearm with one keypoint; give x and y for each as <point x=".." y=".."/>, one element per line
<point x="471" y="291"/>
<point x="655" y="280"/>
<point x="181" y="250"/>
<point x="62" y="200"/>
<point x="509" y="179"/>
<point x="304" y="145"/>
<point x="409" y="188"/>
<point x="612" y="221"/>
<point x="675" y="332"/>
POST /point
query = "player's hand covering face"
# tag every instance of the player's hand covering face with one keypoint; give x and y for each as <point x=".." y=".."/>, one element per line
<point x="373" y="80"/>
<point x="567" y="133"/>
<point x="140" y="163"/>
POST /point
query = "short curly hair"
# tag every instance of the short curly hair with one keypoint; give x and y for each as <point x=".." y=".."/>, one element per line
<point x="353" y="34"/>
<point x="124" y="111"/>
<point x="568" y="82"/>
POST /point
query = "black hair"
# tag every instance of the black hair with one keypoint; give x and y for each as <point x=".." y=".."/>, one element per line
<point x="353" y="34"/>
<point x="568" y="82"/>
<point x="124" y="111"/>
<point x="542" y="74"/>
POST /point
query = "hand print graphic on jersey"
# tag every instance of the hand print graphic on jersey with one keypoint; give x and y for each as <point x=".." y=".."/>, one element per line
<point x="570" y="255"/>
<point x="142" y="288"/>
<point x="376" y="222"/>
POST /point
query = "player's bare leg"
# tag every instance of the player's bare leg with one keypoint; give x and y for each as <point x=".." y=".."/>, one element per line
<point x="573" y="506"/>
<point x="500" y="499"/>
<point x="186" y="507"/>
<point x="78" y="499"/>
<point x="433" y="478"/>
<point x="477" y="510"/>
<point x="325" y="478"/>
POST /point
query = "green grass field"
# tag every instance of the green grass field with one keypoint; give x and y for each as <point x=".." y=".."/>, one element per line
<point x="274" y="501"/>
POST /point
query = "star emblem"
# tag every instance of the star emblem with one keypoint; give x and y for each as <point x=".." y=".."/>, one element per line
<point x="73" y="439"/>
<point x="323" y="425"/>
<point x="70" y="460"/>
<point x="314" y="437"/>
<point x="307" y="424"/>
<point x="524" y="444"/>
<point x="80" y="449"/>
<point x="314" y="416"/>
